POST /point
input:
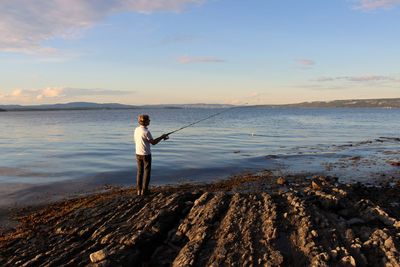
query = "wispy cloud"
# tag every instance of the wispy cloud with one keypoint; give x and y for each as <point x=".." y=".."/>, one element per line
<point x="26" y="24"/>
<point x="368" y="5"/>
<point x="21" y="95"/>
<point x="321" y="87"/>
<point x="364" y="78"/>
<point x="305" y="63"/>
<point x="192" y="60"/>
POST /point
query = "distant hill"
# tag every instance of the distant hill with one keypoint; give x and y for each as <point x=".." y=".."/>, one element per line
<point x="353" y="103"/>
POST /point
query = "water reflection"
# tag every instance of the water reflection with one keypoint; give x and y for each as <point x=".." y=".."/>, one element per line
<point x="65" y="145"/>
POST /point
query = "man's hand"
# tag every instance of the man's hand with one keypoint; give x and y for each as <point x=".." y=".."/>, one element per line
<point x="165" y="136"/>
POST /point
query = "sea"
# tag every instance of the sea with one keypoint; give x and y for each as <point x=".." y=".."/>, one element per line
<point x="49" y="153"/>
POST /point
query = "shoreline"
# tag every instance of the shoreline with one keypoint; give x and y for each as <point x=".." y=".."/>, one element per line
<point x="293" y="220"/>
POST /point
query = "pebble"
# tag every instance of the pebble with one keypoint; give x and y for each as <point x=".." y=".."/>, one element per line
<point x="314" y="233"/>
<point x="315" y="185"/>
<point x="281" y="181"/>
<point x="98" y="256"/>
<point x="349" y="260"/>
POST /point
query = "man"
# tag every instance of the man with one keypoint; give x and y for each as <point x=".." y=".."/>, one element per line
<point x="143" y="139"/>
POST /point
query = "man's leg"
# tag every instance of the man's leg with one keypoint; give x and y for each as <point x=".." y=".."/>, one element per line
<point x="139" y="176"/>
<point x="147" y="173"/>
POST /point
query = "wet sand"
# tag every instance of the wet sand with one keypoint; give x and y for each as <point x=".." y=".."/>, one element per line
<point x="249" y="220"/>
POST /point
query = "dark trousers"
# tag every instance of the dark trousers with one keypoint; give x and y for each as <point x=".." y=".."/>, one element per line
<point x="143" y="172"/>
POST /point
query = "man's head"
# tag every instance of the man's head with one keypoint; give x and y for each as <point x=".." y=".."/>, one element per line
<point x="144" y="119"/>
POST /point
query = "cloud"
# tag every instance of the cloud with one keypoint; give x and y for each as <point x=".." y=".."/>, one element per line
<point x="59" y="93"/>
<point x="191" y="60"/>
<point x="305" y="63"/>
<point x="50" y="92"/>
<point x="94" y="92"/>
<point x="25" y="24"/>
<point x="150" y="6"/>
<point x="365" y="78"/>
<point x="16" y="93"/>
<point x="367" y="5"/>
<point x="321" y="87"/>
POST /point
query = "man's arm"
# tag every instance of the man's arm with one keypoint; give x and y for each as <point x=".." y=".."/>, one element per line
<point x="158" y="139"/>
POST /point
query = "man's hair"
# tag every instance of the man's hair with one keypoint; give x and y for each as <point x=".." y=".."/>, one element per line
<point x="143" y="118"/>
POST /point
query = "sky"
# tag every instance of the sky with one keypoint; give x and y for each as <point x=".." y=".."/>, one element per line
<point x="198" y="51"/>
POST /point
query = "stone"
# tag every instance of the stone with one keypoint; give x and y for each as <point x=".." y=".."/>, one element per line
<point x="345" y="212"/>
<point x="98" y="256"/>
<point x="334" y="253"/>
<point x="315" y="185"/>
<point x="314" y="233"/>
<point x="281" y="181"/>
<point x="349" y="235"/>
<point x="389" y="243"/>
<point x="349" y="261"/>
<point x="353" y="221"/>
<point x="104" y="263"/>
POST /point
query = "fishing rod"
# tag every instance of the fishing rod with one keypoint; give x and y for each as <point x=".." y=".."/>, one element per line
<point x="209" y="117"/>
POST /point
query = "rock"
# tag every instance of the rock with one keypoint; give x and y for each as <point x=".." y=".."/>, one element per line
<point x="215" y="227"/>
<point x="315" y="185"/>
<point x="59" y="231"/>
<point x="389" y="243"/>
<point x="334" y="253"/>
<point x="281" y="181"/>
<point x="104" y="263"/>
<point x="314" y="233"/>
<point x="349" y="235"/>
<point x="98" y="256"/>
<point x="345" y="212"/>
<point x="353" y="221"/>
<point x="349" y="261"/>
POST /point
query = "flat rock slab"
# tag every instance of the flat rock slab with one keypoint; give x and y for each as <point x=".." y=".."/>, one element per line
<point x="245" y="221"/>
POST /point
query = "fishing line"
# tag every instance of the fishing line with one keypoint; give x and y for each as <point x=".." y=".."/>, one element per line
<point x="206" y="118"/>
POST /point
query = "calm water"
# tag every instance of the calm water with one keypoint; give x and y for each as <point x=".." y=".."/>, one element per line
<point x="53" y="146"/>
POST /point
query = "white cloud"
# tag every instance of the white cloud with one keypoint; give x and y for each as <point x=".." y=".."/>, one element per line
<point x="50" y="92"/>
<point x="376" y="4"/>
<point x="26" y="24"/>
<point x="16" y="93"/>
<point x="191" y="60"/>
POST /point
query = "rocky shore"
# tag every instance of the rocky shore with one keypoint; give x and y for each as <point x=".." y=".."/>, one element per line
<point x="251" y="220"/>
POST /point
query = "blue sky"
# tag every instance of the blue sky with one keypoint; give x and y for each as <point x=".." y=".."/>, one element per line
<point x="192" y="51"/>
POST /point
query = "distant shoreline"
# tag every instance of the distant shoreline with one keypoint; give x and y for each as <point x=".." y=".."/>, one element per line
<point x="385" y="103"/>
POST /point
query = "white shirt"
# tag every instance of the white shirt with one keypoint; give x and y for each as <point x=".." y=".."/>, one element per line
<point x="142" y="137"/>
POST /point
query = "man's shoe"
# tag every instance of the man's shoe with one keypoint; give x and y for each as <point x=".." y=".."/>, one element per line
<point x="145" y="192"/>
